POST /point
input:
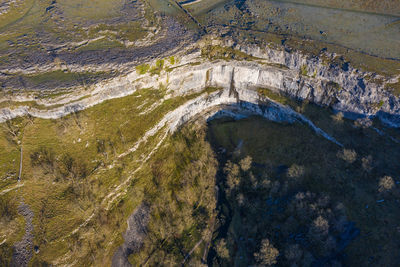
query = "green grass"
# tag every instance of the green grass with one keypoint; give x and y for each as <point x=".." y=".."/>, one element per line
<point x="267" y="92"/>
<point x="63" y="197"/>
<point x="30" y="29"/>
<point x="394" y="88"/>
<point x="226" y="53"/>
<point x="388" y="7"/>
<point x="99" y="45"/>
<point x="303" y="70"/>
<point x="130" y="31"/>
<point x="157" y="68"/>
<point x="142" y="69"/>
<point x="16" y="13"/>
<point x="172" y="60"/>
<point x="59" y="76"/>
<point x="91" y="9"/>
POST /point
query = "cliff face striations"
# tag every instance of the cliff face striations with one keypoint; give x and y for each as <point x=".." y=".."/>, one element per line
<point x="343" y="88"/>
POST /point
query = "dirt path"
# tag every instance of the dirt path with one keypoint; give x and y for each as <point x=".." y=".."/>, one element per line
<point x="10" y="189"/>
<point x="20" y="167"/>
<point x="193" y="249"/>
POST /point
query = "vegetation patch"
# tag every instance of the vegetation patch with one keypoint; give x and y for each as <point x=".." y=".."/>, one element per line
<point x="66" y="174"/>
<point x="225" y="53"/>
<point x="394" y="88"/>
<point x="283" y="202"/>
<point x="142" y="69"/>
<point x="304" y="70"/>
<point x="157" y="68"/>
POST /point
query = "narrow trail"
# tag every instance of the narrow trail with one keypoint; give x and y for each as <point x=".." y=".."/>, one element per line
<point x="5" y="191"/>
<point x="20" y="167"/>
<point x="191" y="252"/>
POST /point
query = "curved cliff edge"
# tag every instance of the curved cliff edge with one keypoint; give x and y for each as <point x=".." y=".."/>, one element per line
<point x="354" y="92"/>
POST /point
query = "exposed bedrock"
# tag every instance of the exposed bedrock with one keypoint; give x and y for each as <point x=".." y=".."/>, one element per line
<point x="133" y="237"/>
<point x="344" y="89"/>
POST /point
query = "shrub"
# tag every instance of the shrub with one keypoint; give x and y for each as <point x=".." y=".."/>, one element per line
<point x="245" y="164"/>
<point x="295" y="171"/>
<point x="386" y="184"/>
<point x="303" y="70"/>
<point x="367" y="163"/>
<point x="172" y="60"/>
<point x="222" y="249"/>
<point x="8" y="209"/>
<point x="363" y="123"/>
<point x="232" y="175"/>
<point x="338" y="117"/>
<point x="142" y="69"/>
<point x="45" y="158"/>
<point x="319" y="228"/>
<point x="348" y="155"/>
<point x="268" y="254"/>
<point x="71" y="168"/>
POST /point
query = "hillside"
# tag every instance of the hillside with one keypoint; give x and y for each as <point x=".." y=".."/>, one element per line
<point x="217" y="133"/>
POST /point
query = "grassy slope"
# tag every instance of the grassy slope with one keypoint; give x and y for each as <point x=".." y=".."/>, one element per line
<point x="68" y="179"/>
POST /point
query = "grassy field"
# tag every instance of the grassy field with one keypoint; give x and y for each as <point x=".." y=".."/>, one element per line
<point x="387" y="7"/>
<point x="295" y="25"/>
<point x="37" y="27"/>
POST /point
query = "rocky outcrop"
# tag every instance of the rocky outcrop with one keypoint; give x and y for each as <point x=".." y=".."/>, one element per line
<point x="343" y="88"/>
<point x="23" y="250"/>
<point x="133" y="237"/>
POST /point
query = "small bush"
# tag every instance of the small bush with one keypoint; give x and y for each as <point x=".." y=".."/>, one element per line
<point x="232" y="175"/>
<point x="245" y="164"/>
<point x="295" y="171"/>
<point x="367" y="163"/>
<point x="222" y="249"/>
<point x="303" y="70"/>
<point x="363" y="123"/>
<point x="158" y="67"/>
<point x="45" y="158"/>
<point x="142" y="69"/>
<point x="319" y="228"/>
<point x="348" y="155"/>
<point x="172" y="60"/>
<point x="386" y="184"/>
<point x="268" y="254"/>
<point x="338" y="117"/>
<point x="8" y="209"/>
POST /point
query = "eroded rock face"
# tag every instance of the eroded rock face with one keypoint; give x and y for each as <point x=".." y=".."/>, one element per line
<point x="344" y="89"/>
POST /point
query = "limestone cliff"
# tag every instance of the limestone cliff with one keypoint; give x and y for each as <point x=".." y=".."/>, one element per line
<point x="344" y="88"/>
